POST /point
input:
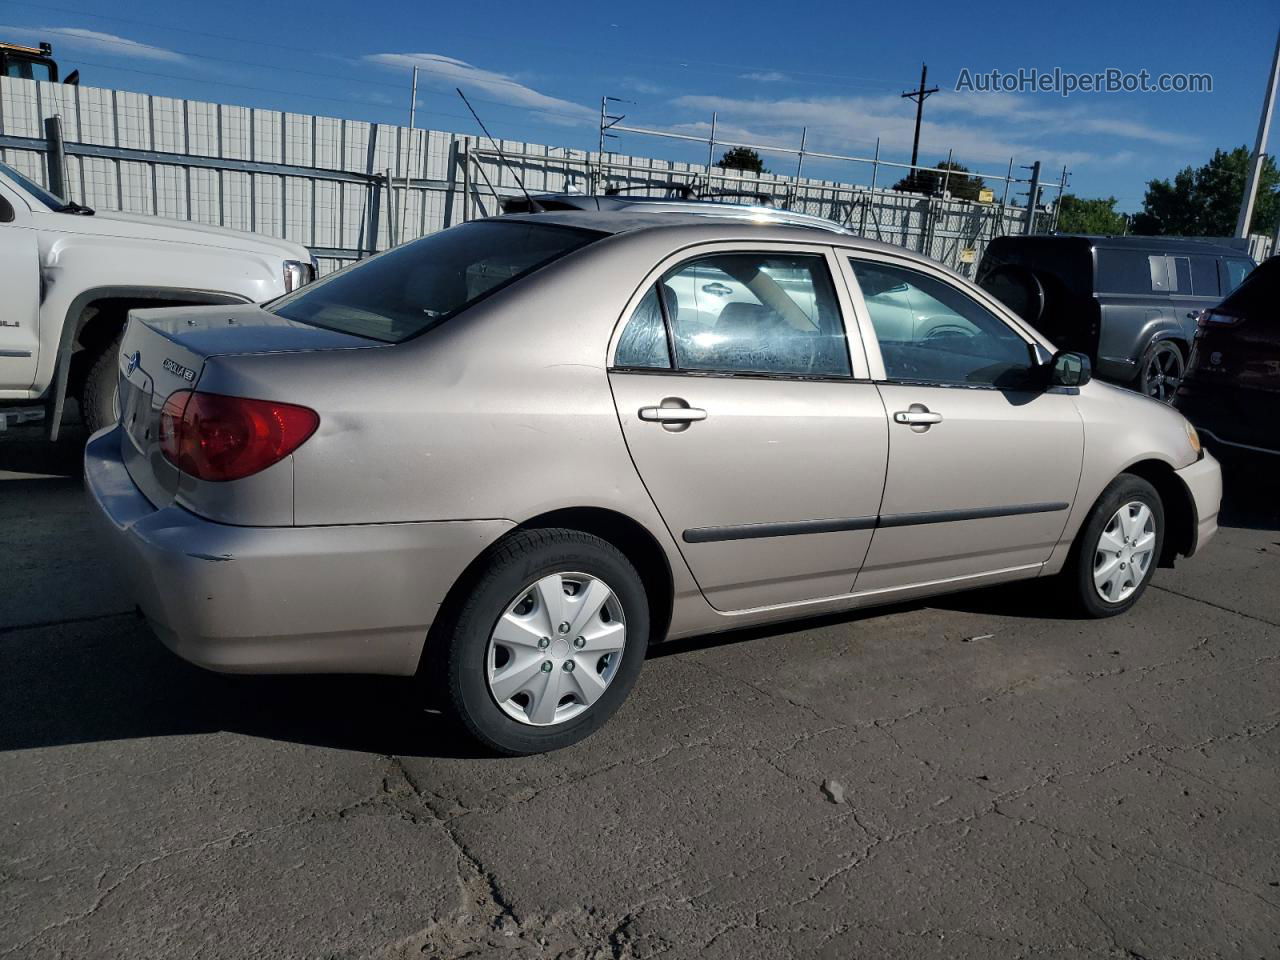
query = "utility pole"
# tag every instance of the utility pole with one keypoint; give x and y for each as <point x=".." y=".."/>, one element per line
<point x="1033" y="198"/>
<point x="1260" y="149"/>
<point x="919" y="96"/>
<point x="607" y="120"/>
<point x="408" y="163"/>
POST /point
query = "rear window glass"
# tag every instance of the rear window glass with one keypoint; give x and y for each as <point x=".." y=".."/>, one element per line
<point x="1130" y="271"/>
<point x="1236" y="271"/>
<point x="1256" y="297"/>
<point x="408" y="290"/>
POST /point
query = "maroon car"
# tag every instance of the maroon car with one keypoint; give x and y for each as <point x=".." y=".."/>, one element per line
<point x="1231" y="391"/>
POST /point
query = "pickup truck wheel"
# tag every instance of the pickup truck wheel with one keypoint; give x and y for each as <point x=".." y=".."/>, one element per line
<point x="100" y="394"/>
<point x="1162" y="370"/>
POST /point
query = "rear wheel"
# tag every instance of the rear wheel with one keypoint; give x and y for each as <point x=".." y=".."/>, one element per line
<point x="99" y="393"/>
<point x="1117" y="549"/>
<point x="546" y="642"/>
<point x="1163" y="367"/>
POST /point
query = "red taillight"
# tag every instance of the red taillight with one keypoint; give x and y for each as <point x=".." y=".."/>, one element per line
<point x="215" y="437"/>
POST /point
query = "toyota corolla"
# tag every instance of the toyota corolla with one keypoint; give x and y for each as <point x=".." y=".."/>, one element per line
<point x="508" y="456"/>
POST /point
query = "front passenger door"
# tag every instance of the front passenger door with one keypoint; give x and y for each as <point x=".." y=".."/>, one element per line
<point x="983" y="467"/>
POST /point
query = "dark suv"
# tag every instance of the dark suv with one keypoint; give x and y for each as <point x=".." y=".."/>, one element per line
<point x="1130" y="303"/>
<point x="1232" y="388"/>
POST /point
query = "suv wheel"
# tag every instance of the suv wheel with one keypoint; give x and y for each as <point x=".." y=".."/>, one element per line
<point x="1117" y="549"/>
<point x="1162" y="369"/>
<point x="100" y="393"/>
<point x="546" y="642"/>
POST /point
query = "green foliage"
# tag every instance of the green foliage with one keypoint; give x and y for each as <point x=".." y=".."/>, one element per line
<point x="742" y="158"/>
<point x="1205" y="201"/>
<point x="959" y="183"/>
<point x="1097" y="216"/>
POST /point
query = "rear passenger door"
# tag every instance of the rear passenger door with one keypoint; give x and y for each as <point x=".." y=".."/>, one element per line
<point x="756" y="431"/>
<point x="983" y="467"/>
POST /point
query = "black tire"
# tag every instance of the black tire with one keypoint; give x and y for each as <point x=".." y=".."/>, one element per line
<point x="1161" y="370"/>
<point x="512" y="566"/>
<point x="1078" y="576"/>
<point x="98" y="393"/>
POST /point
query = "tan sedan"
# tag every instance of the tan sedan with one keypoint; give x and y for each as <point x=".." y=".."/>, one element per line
<point x="510" y="455"/>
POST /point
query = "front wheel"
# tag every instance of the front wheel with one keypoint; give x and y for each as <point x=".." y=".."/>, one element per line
<point x="1117" y="549"/>
<point x="546" y="642"/>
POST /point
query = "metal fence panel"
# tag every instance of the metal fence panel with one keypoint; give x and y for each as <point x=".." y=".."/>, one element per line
<point x="322" y="181"/>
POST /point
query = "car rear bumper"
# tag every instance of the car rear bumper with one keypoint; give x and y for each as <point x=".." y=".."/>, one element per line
<point x="334" y="599"/>
<point x="1203" y="480"/>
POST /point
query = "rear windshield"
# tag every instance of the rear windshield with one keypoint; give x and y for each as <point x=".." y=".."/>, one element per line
<point x="1256" y="297"/>
<point x="410" y="289"/>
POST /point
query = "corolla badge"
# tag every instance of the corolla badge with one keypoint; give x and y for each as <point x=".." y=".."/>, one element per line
<point x="134" y="359"/>
<point x="186" y="373"/>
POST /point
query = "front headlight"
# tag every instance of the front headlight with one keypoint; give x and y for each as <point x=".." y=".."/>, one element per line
<point x="297" y="273"/>
<point x="1193" y="438"/>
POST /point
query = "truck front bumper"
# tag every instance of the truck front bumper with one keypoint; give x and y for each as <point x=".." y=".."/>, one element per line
<point x="333" y="599"/>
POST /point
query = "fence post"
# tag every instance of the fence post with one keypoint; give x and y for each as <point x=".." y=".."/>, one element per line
<point x="55" y="157"/>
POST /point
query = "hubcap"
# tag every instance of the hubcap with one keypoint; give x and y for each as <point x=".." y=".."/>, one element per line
<point x="1164" y="373"/>
<point x="1124" y="552"/>
<point x="542" y="681"/>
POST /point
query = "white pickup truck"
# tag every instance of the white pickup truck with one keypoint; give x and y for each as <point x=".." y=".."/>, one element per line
<point x="69" y="277"/>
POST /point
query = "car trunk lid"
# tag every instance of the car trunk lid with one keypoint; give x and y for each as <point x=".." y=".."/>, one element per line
<point x="165" y="351"/>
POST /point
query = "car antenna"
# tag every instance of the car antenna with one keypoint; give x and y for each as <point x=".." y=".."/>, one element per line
<point x="534" y="205"/>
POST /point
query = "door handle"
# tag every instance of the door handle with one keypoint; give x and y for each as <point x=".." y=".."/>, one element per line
<point x="672" y="414"/>
<point x="917" y="417"/>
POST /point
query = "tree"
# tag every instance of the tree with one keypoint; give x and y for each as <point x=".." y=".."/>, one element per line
<point x="742" y="158"/>
<point x="1205" y="201"/>
<point x="959" y="182"/>
<point x="1098" y="216"/>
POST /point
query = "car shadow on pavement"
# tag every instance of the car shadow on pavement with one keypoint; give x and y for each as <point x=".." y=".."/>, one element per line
<point x="25" y="450"/>
<point x="109" y="678"/>
<point x="1249" y="486"/>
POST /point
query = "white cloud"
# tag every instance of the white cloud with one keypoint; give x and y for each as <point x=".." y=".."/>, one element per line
<point x="448" y="71"/>
<point x="1068" y="118"/>
<point x="640" y="85"/>
<point x="765" y="76"/>
<point x="107" y="43"/>
<point x="984" y="130"/>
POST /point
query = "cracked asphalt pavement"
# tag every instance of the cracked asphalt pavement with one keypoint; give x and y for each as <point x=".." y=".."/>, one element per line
<point x="1010" y="785"/>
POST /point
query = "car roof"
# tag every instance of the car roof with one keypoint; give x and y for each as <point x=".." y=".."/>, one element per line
<point x="619" y="203"/>
<point x="1209" y="246"/>
<point x="725" y="222"/>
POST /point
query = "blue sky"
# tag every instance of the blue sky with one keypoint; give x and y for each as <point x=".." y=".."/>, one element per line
<point x="536" y="72"/>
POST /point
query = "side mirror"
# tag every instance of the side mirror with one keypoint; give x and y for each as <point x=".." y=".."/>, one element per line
<point x="1068" y="369"/>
